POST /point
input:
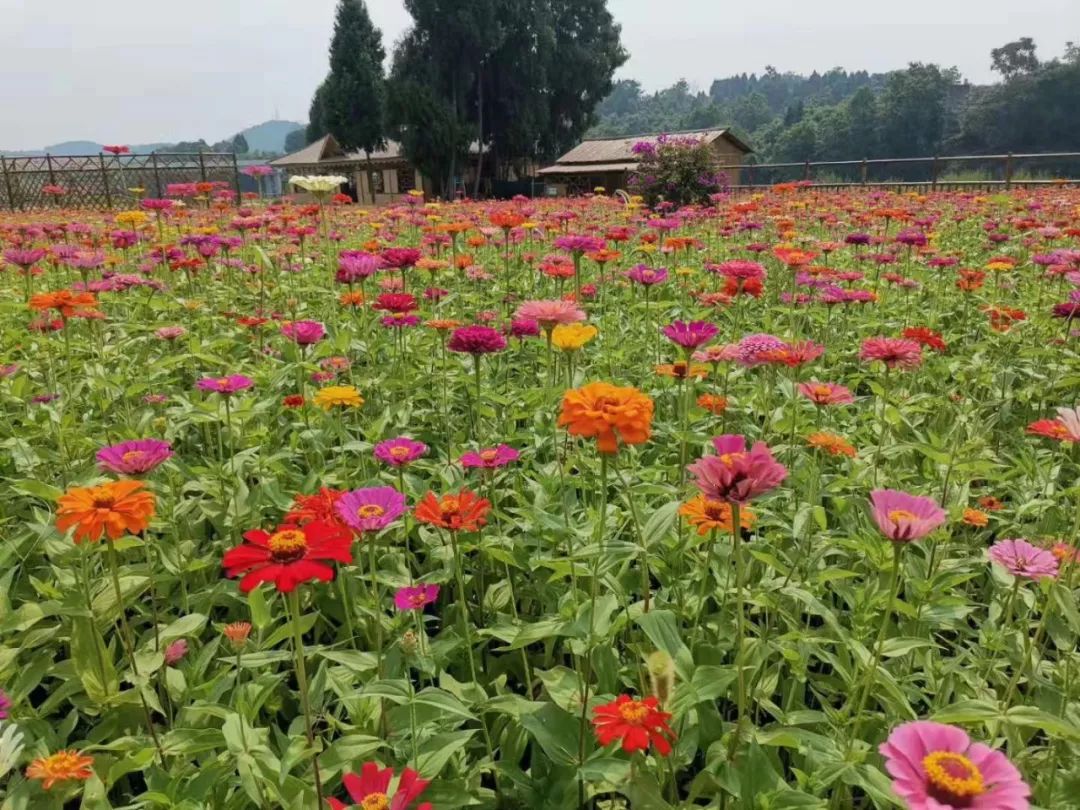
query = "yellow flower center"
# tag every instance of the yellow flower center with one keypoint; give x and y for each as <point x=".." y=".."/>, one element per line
<point x="730" y="458"/>
<point x="399" y="452"/>
<point x="370" y="510"/>
<point x="901" y="517"/>
<point x="287" y="546"/>
<point x="953" y="777"/>
<point x="375" y="801"/>
<point x="821" y="391"/>
<point x="489" y="455"/>
<point x="449" y="506"/>
<point x="132" y="456"/>
<point x="634" y="712"/>
<point x="223" y="381"/>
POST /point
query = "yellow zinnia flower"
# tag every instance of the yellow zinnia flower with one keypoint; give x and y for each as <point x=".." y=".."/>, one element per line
<point x="572" y="336"/>
<point x="132" y="219"/>
<point x="342" y="396"/>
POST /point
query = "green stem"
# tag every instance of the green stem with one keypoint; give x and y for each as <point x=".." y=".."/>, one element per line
<point x="302" y="681"/>
<point x="740" y="629"/>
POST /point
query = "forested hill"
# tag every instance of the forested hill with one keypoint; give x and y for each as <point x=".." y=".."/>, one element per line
<point x="924" y="109"/>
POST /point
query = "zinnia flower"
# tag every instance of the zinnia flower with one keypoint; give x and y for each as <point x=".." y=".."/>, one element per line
<point x="476" y="340"/>
<point x="826" y="393"/>
<point x="490" y="458"/>
<point x="608" y="414"/>
<point x="893" y="352"/>
<point x="175" y="651"/>
<point x="831" y="443"/>
<point x="571" y="337"/>
<point x="136" y="457"/>
<point x="635" y="723"/>
<point x="708" y="515"/>
<point x="926" y="337"/>
<point x="319" y="507"/>
<point x="973" y="517"/>
<point x="371" y="509"/>
<point x="937" y="767"/>
<point x="225" y="385"/>
<point x="289" y="556"/>
<point x="415" y="597"/>
<point x="465" y="511"/>
<point x="63" y="766"/>
<point x="903" y="517"/>
<point x="338" y="396"/>
<point x="400" y="451"/>
<point x="304" y="333"/>
<point x="1021" y="559"/>
<point x="237" y="633"/>
<point x="5" y="704"/>
<point x="647" y="276"/>
<point x="369" y="790"/>
<point x="713" y="403"/>
<point x="1066" y="428"/>
<point x="116" y="508"/>
<point x="550" y="313"/>
<point x="690" y="335"/>
<point x="735" y="474"/>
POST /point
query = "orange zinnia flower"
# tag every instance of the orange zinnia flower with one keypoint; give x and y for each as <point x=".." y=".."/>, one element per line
<point x="465" y="511"/>
<point x="116" y="508"/>
<point x="713" y="403"/>
<point x="681" y="371"/>
<point x="973" y="517"/>
<point x="707" y="515"/>
<point x="351" y="299"/>
<point x="62" y="766"/>
<point x="831" y="443"/>
<point x="65" y="302"/>
<point x="607" y="413"/>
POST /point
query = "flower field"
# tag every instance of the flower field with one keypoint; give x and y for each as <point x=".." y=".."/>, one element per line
<point x="542" y="504"/>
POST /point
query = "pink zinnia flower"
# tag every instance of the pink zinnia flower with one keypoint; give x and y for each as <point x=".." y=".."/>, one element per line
<point x="647" y="276"/>
<point x="400" y="257"/>
<point x="893" y="352"/>
<point x="550" y="313"/>
<point x="579" y="244"/>
<point x="723" y="353"/>
<point x="826" y="393"/>
<point x="1021" y="559"/>
<point x="903" y="517"/>
<point x="176" y="651"/>
<point x="735" y="474"/>
<point x="135" y="457"/>
<point x="371" y="509"/>
<point x="304" y="332"/>
<point x="225" y="385"/>
<point x="690" y="335"/>
<point x="476" y="340"/>
<point x="491" y="458"/>
<point x="937" y="767"/>
<point x="741" y="269"/>
<point x="400" y="451"/>
<point x="5" y="704"/>
<point x="755" y="350"/>
<point x="415" y="597"/>
<point x="170" y="332"/>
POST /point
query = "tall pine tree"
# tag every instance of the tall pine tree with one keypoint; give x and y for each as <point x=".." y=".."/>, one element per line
<point x="354" y="94"/>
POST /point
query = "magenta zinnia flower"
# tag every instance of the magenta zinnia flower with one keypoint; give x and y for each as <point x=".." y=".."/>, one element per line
<point x="754" y="350"/>
<point x="225" y="385"/>
<point x="400" y="451"/>
<point x="826" y="393"/>
<point x="371" y="509"/>
<point x="415" y="597"/>
<point x="690" y="335"/>
<point x="304" y="332"/>
<point x="550" y="313"/>
<point x="647" y="276"/>
<point x="893" y="352"/>
<point x="175" y="652"/>
<point x="579" y="244"/>
<point x="903" y="517"/>
<point x="1021" y="559"/>
<point x="5" y="704"/>
<point x="937" y="767"/>
<point x="400" y="257"/>
<point x="476" y="340"/>
<point x="135" y="457"/>
<point x="734" y="474"/>
<point x="491" y="458"/>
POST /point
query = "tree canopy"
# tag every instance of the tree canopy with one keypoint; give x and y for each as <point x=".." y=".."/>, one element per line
<point x="354" y="92"/>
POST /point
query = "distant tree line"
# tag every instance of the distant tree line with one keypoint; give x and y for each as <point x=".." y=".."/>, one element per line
<point x="521" y="78"/>
<point x="925" y="109"/>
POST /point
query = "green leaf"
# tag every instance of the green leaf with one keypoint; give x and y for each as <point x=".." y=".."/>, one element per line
<point x="663" y="630"/>
<point x="556" y="732"/>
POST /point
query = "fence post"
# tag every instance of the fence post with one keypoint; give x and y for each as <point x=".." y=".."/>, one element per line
<point x="157" y="175"/>
<point x="7" y="183"/>
<point x="934" y="173"/>
<point x="105" y="180"/>
<point x="48" y="164"/>
<point x="202" y="167"/>
<point x="806" y="170"/>
<point x="750" y="174"/>
<point x="1008" y="170"/>
<point x="863" y="171"/>
<point x="236" y="178"/>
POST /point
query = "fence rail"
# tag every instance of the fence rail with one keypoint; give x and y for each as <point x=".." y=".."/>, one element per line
<point x="939" y="171"/>
<point x="103" y="181"/>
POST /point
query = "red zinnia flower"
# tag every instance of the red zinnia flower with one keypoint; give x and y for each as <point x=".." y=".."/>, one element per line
<point x="370" y="789"/>
<point x="637" y="723"/>
<point x="289" y="556"/>
<point x="465" y="511"/>
<point x="927" y="337"/>
<point x="318" y="508"/>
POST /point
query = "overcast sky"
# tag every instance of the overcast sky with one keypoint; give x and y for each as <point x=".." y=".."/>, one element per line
<point x="138" y="71"/>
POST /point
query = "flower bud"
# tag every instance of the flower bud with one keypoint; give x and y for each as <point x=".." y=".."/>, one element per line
<point x="661" y="675"/>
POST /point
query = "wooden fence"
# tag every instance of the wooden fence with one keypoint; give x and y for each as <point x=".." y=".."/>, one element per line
<point x="918" y="173"/>
<point x="103" y="181"/>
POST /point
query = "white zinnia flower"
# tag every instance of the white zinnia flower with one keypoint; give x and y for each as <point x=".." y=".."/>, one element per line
<point x="319" y="183"/>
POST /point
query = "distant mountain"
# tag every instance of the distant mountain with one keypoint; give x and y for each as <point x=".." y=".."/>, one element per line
<point x="267" y="137"/>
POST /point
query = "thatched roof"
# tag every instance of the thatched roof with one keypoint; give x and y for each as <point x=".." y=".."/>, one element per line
<point x="616" y="154"/>
<point x="327" y="150"/>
